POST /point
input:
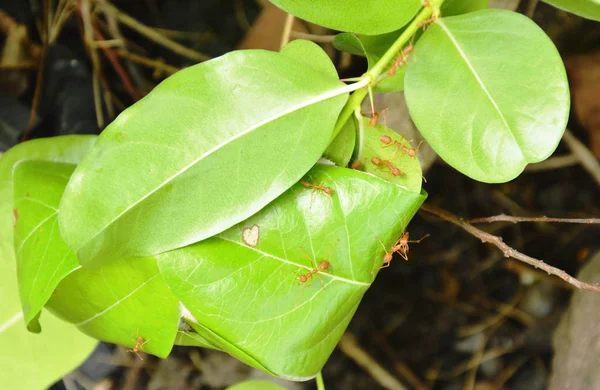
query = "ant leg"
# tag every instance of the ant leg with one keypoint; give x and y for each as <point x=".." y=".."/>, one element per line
<point x="312" y="263"/>
<point x="420" y="239"/>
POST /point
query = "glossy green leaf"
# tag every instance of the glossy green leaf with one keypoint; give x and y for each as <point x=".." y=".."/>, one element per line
<point x="459" y="7"/>
<point x="120" y="302"/>
<point x="488" y="91"/>
<point x="34" y="361"/>
<point x="68" y="148"/>
<point x="359" y="16"/>
<point x="373" y="47"/>
<point x="116" y="303"/>
<point x="391" y="150"/>
<point x="342" y="147"/>
<point x="242" y="285"/>
<point x="589" y="9"/>
<point x="43" y="259"/>
<point x="310" y="54"/>
<point x="256" y="384"/>
<point x="207" y="148"/>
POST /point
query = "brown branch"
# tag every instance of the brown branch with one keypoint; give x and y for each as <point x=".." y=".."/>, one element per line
<point x="507" y="250"/>
<point x="129" y="87"/>
<point x="509" y="218"/>
<point x="39" y="81"/>
<point x="587" y="159"/>
<point x="152" y="34"/>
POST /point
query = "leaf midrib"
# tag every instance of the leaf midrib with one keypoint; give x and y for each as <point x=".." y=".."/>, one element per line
<point x="478" y="79"/>
<point x="314" y="100"/>
<point x="286" y="261"/>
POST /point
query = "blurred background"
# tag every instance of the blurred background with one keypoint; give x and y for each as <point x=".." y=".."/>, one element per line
<point x="458" y="315"/>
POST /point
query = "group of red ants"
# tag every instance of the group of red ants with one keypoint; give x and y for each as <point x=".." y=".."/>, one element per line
<point x="400" y="246"/>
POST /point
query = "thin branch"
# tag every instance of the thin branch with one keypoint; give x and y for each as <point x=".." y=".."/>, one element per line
<point x="586" y="157"/>
<point x="37" y="94"/>
<point x="313" y="37"/>
<point x="553" y="163"/>
<point x="507" y="250"/>
<point x="152" y="34"/>
<point x="155" y="64"/>
<point x="112" y="58"/>
<point x="509" y="218"/>
<point x="349" y="345"/>
<point x="287" y="30"/>
<point x="88" y="34"/>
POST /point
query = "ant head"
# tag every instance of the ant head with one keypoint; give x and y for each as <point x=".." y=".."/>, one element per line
<point x="323" y="265"/>
<point x="396" y="172"/>
<point x="376" y="160"/>
<point x="302" y="278"/>
<point x="328" y="190"/>
<point x="386" y="139"/>
<point x="306" y="183"/>
<point x="404" y="238"/>
<point x="374" y="119"/>
<point x="356" y="164"/>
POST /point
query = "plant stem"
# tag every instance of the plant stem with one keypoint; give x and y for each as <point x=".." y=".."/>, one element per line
<point x="402" y="40"/>
<point x="371" y="76"/>
<point x="320" y="383"/>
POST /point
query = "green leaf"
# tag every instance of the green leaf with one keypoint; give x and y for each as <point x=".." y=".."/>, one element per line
<point x="34" y="361"/>
<point x="489" y="92"/>
<point x="207" y="148"/>
<point x="392" y="151"/>
<point x="120" y="302"/>
<point x="116" y="303"/>
<point x="589" y="9"/>
<point x="242" y="285"/>
<point x="341" y="148"/>
<point x="256" y="384"/>
<point x="359" y="16"/>
<point x="43" y="259"/>
<point x="68" y="148"/>
<point x="459" y="7"/>
<point x="310" y="54"/>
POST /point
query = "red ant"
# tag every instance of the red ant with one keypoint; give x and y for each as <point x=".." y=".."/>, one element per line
<point x="139" y="346"/>
<point x="401" y="246"/>
<point x="395" y="171"/>
<point x="401" y="59"/>
<point x="388" y="141"/>
<point x="375" y="118"/>
<point x="316" y="187"/>
<point x="321" y="267"/>
<point x="433" y="18"/>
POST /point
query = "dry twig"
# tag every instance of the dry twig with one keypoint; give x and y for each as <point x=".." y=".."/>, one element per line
<point x="37" y="94"/>
<point x="585" y="156"/>
<point x="313" y="37"/>
<point x="553" y="163"/>
<point x="287" y="30"/>
<point x="152" y="34"/>
<point x="507" y="250"/>
<point x="350" y="347"/>
<point x="509" y="218"/>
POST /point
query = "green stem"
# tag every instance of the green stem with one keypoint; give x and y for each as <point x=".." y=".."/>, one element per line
<point x="320" y="383"/>
<point x="402" y="40"/>
<point x="371" y="76"/>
